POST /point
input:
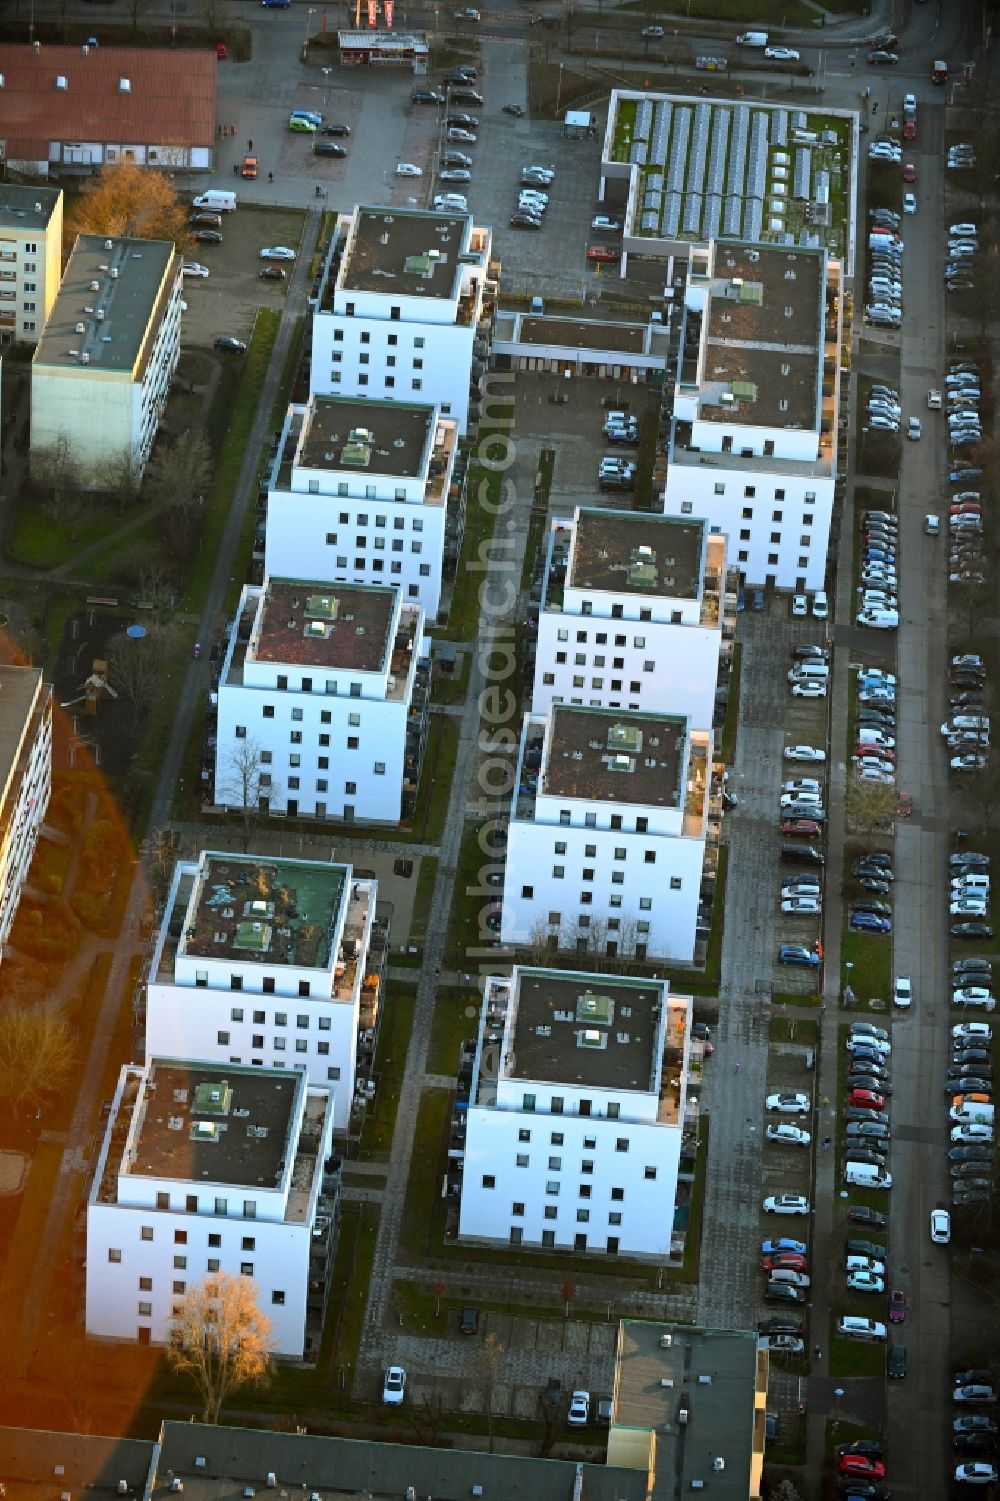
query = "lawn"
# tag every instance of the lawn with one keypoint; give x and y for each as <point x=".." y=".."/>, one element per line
<point x="450" y="688"/>
<point x="41" y="540"/>
<point x="483" y="506"/>
<point x="727" y="748"/>
<point x="390" y="1061"/>
<point x="870" y="954"/>
<point x="426" y="877"/>
<point x="451" y="1026"/>
<point x="436" y="779"/>
<point x="794" y="1029"/>
<point x="855" y="1357"/>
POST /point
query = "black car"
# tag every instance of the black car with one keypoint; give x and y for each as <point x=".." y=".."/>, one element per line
<point x="968" y="860"/>
<point x="811" y="653"/>
<point x="974" y="1443"/>
<point x="335" y="130"/>
<point x="467" y="122"/>
<point x="961" y="1171"/>
<point x="206" y="221"/>
<point x="426" y="96"/>
<point x="272" y="273"/>
<point x="207" y="237"/>
<point x="968" y="1084"/>
<point x="328" y="148"/>
<point x="855" y="1486"/>
<point x="860" y="1214"/>
<point x="877" y="857"/>
<point x="870" y="1130"/>
<point x="856" y="1152"/>
<point x="973" y="1422"/>
<point x="960" y="966"/>
<point x="233" y="346"/>
<point x="971" y="1152"/>
<point x="869" y="1078"/>
<point x="869" y="1447"/>
<point x="782" y="1292"/>
<point x="972" y="1058"/>
<point x="865" y="1248"/>
<point x="524" y="221"/>
<point x="864" y="904"/>
<point x="973" y="931"/>
<point x="858" y="1114"/>
<point x="780" y="1326"/>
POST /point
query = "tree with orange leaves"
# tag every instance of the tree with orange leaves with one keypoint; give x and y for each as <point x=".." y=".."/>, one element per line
<point x="221" y="1339"/>
<point x="128" y="200"/>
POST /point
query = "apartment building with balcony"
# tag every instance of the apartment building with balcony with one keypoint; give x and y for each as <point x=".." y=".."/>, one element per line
<point x="101" y="372"/>
<point x="635" y="614"/>
<point x="578" y="1112"/>
<point x="613" y="811"/>
<point x="751" y="406"/>
<point x="322" y="702"/>
<point x="364" y="492"/>
<point x="405" y="310"/>
<point x="267" y="963"/>
<point x="25" y="779"/>
<point x="31" y="232"/>
<point x="208" y="1168"/>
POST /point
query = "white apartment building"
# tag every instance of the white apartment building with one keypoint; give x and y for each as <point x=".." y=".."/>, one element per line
<point x="101" y="373"/>
<point x="31" y="232"/>
<point x="753" y="439"/>
<point x="322" y="702"/>
<point x="632" y="614"/>
<point x="577" y="1111"/>
<point x="607" y="833"/>
<point x="261" y="962"/>
<point x="25" y="777"/>
<point x="406" y="312"/>
<point x="360" y="494"/>
<point x="210" y="1168"/>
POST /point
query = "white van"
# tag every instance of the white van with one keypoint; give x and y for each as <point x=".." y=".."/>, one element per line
<point x="853" y="1327"/>
<point x="971" y="882"/>
<point x="866" y="1175"/>
<point x="752" y="39"/>
<point x="966" y="1112"/>
<point x="809" y="672"/>
<point x="216" y="202"/>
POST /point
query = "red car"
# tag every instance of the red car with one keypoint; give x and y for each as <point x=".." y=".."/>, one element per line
<point x="807" y="826"/>
<point x="866" y="1099"/>
<point x="897" y="1306"/>
<point x="880" y="752"/>
<point x="904" y="804"/>
<point x="909" y="130"/>
<point x="967" y="508"/>
<point x="909" y="173"/>
<point x="790" y="1260"/>
<point x="859" y="1464"/>
<point x="603" y="253"/>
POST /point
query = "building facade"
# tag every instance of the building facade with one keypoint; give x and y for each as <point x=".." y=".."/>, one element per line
<point x="633" y="614"/>
<point x="607" y="835"/>
<point x="208" y="1168"/>
<point x="360" y="492"/>
<point x="753" y="407"/>
<point x="322" y="702"/>
<point x="101" y="373"/>
<point x="577" y="1112"/>
<point x="264" y="963"/>
<point x="31" y="232"/>
<point x="406" y="310"/>
<point x="26" y="770"/>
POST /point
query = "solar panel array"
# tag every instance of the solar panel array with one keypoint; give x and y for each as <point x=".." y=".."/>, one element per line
<point x="803" y="172"/>
<point x="716" y="174"/>
<point x="756" y="176"/>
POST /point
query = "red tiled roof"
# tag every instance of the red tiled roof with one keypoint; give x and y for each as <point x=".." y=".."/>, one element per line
<point x="171" y="101"/>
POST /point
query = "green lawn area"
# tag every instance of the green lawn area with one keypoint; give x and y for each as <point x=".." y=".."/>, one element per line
<point x="41" y="541"/>
<point x="855" y="1357"/>
<point x="483" y="485"/>
<point x="871" y="956"/>
<point x="797" y="1029"/>
<point x="390" y="1061"/>
<point x="436" y="779"/>
<point x="451" y="689"/>
<point x="727" y="748"/>
<point x="451" y="1027"/>
<point x="426" y="877"/>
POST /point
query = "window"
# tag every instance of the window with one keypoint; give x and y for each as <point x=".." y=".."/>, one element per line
<point x="241" y="732"/>
<point x="246" y="1268"/>
<point x="719" y="488"/>
<point x="180" y="1237"/>
<point x="749" y="491"/>
<point x="222" y="1206"/>
<point x="163" y="1201"/>
<point x="582" y="1216"/>
<point x="587" y="1165"/>
<point x="613" y="1111"/>
<point x="180" y="1288"/>
<point x="222" y="1038"/>
<point x="527" y="891"/>
<point x="249" y="1209"/>
<point x="415" y="385"/>
<point x="616" y="822"/>
<point x="489" y="1181"/>
<point x="617" y="878"/>
<point x="213" y="1264"/>
<point x="145" y="1310"/>
<point x="516" y="1235"/>
<point x="650" y="1173"/>
<point x="645" y="904"/>
<point x="584" y="1191"/>
<point x="380" y="768"/>
<point x="215" y="1241"/>
<point x="588" y="872"/>
<point x="555" y="1164"/>
<point x="278" y="1298"/>
<point x="114" y="1254"/>
<point x="675" y="883"/>
<point x="528" y="1101"/>
<point x="558" y="871"/>
<point x="617" y="1195"/>
<point x="552" y="1188"/>
<point x="523" y="1134"/>
<point x="268" y="711"/>
<point x="550" y="1212"/>
<point x="522" y="1159"/>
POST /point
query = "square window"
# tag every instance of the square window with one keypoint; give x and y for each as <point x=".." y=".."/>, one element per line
<point x="278" y="1298"/>
<point x="523" y="1134"/>
<point x="113" y="1254"/>
<point x="522" y="1159"/>
<point x="649" y="1173"/>
<point x="617" y="1195"/>
<point x="551" y="1211"/>
<point x="517" y="1208"/>
<point x="552" y="1188"/>
<point x="489" y="1180"/>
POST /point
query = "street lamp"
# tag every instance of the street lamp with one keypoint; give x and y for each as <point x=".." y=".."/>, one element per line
<point x="309" y="14"/>
<point x="838" y="1392"/>
<point x="326" y="90"/>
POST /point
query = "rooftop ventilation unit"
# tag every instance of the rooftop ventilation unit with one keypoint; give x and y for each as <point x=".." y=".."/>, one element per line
<point x="85" y="358"/>
<point x="95" y="286"/>
<point x="125" y="87"/>
<point x="81" y="328"/>
<point x="108" y="245"/>
<point x="62" y="81"/>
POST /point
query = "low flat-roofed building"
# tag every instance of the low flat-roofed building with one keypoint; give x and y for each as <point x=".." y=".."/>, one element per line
<point x="754" y="406"/>
<point x="607" y="836"/>
<point x="293" y="937"/>
<point x="31" y="234"/>
<point x="598" y="347"/>
<point x="32" y="1459"/>
<point x="323" y="702"/>
<point x="690" y="1406"/>
<point x="71" y="110"/>
<point x="361" y="491"/>
<point x="227" y="1163"/>
<point x="635" y="614"/>
<point x="101" y="372"/>
<point x="25" y="779"/>
<point x="405" y="311"/>
<point x="604" y="1060"/>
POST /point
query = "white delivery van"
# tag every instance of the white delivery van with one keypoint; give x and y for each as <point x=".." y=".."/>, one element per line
<point x="866" y="1175"/>
<point x="966" y="1112"/>
<point x="752" y="39"/>
<point x="809" y="672"/>
<point x="216" y="201"/>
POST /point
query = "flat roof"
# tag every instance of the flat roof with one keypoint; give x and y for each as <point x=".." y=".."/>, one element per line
<point x="373" y="437"/>
<point x="586" y="1029"/>
<point x="406" y="252"/>
<point x="622" y="338"/>
<point x="662" y="1369"/>
<point x="130" y="276"/>
<point x="27" y="208"/>
<point x="19" y="696"/>
<point x="628" y="552"/>
<point x="214" y="1122"/>
<point x="270" y="912"/>
<point x="765" y="335"/>
<point x="346" y="626"/>
<point x="614" y="756"/>
<point x="88" y="1463"/>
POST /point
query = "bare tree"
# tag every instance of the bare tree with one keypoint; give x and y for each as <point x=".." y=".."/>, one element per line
<point x="971" y="601"/>
<point x="156" y="589"/>
<point x="987" y="293"/>
<point x="538" y="940"/>
<point x="37" y="1055"/>
<point x="439" y="1292"/>
<point x="984" y="790"/>
<point x="179" y="486"/>
<point x="136" y="665"/>
<point x="221" y="1339"/>
<point x="428" y="1419"/>
<point x="120" y="476"/>
<point x="162" y="849"/>
<point x="785" y="1491"/>
<point x="56" y="470"/>
<point x="490" y="1362"/>
<point x="553" y="1409"/>
<point x="870" y="805"/>
<point x="245" y="785"/>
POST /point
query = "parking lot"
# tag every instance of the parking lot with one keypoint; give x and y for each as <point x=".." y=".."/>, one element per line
<point x="234" y="280"/>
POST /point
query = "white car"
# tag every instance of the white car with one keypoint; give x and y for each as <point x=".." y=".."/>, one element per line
<point x="452" y="203"/>
<point x="394" y="1386"/>
<point x="533" y="171"/>
<point x="809" y="690"/>
<point x="781" y="54"/>
<point x="786" y="1204"/>
<point x="408" y="169"/>
<point x="864" y="1264"/>
<point x="192" y="268"/>
<point x="909" y="203"/>
<point x="800" y="605"/>
<point x="914" y="430"/>
<point x="968" y="762"/>
<point x="602" y="221"/>
<point x="865" y="1282"/>
<point x="968" y="906"/>
<point x="277" y="253"/>
<point x="940" y="1227"/>
<point x="579" y="1409"/>
<point x="972" y="1131"/>
<point x="802" y="906"/>
<point x="803" y="753"/>
<point x="867" y="1040"/>
<point x="902" y="991"/>
<point x="805" y="798"/>
<point x="789" y="1104"/>
<point x="791" y="1135"/>
<point x="965" y="1031"/>
<point x="961" y="231"/>
<point x="974" y="995"/>
<point x="976" y="1472"/>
